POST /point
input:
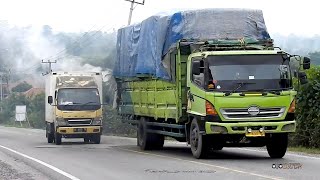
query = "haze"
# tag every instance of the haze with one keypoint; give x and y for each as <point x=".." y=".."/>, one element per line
<point x="282" y="17"/>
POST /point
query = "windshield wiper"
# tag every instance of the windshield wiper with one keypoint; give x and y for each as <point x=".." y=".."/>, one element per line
<point x="91" y="102"/>
<point x="238" y="87"/>
<point x="264" y="92"/>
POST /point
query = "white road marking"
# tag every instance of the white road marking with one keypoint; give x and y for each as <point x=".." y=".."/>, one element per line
<point x="42" y="163"/>
<point x="289" y="154"/>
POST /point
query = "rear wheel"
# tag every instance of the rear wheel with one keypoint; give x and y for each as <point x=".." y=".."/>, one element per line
<point x="49" y="134"/>
<point x="277" y="145"/>
<point x="148" y="141"/>
<point x="199" y="143"/>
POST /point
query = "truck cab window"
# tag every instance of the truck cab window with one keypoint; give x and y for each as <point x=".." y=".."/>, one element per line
<point x="199" y="79"/>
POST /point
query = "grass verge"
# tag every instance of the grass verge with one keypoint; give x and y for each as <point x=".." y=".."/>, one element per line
<point x="304" y="150"/>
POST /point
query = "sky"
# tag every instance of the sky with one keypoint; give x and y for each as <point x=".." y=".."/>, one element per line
<point x="281" y="16"/>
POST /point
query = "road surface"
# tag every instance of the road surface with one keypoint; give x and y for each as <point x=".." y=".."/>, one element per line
<point x="24" y="154"/>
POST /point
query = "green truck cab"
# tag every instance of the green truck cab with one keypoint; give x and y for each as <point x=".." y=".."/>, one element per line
<point x="224" y="93"/>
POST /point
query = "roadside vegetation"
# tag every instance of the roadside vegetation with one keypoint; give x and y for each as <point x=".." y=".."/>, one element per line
<point x="308" y="112"/>
<point x="304" y="149"/>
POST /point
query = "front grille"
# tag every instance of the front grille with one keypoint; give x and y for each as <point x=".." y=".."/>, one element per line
<point x="242" y="113"/>
<point x="79" y="122"/>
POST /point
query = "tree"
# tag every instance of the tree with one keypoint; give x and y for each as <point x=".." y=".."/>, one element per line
<point x="22" y="87"/>
<point x="315" y="57"/>
<point x="8" y="106"/>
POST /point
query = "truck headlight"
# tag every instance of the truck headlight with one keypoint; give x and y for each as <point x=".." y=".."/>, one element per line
<point x="218" y="129"/>
<point x="289" y="127"/>
<point x="97" y="121"/>
<point x="61" y="122"/>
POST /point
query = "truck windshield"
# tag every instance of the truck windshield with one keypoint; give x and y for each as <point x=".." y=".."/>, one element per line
<point x="253" y="72"/>
<point x="73" y="99"/>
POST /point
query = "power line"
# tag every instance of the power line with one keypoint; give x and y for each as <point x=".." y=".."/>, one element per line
<point x="30" y="68"/>
<point x="88" y="39"/>
<point x="75" y="42"/>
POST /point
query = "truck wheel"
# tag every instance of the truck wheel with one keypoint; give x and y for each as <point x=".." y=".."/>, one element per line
<point x="50" y="136"/>
<point x="277" y="145"/>
<point x="143" y="139"/>
<point x="148" y="141"/>
<point x="96" y="138"/>
<point x="157" y="141"/>
<point x="198" y="142"/>
<point x="57" y="138"/>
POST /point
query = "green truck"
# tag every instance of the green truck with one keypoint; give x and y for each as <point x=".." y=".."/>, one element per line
<point x="221" y="93"/>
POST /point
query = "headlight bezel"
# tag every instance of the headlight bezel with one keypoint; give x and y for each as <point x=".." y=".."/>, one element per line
<point x="97" y="121"/>
<point x="61" y="121"/>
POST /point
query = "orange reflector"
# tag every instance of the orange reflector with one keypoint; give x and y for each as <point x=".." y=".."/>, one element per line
<point x="210" y="110"/>
<point x="292" y="107"/>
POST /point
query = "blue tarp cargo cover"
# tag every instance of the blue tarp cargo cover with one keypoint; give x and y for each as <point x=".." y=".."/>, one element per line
<point x="141" y="47"/>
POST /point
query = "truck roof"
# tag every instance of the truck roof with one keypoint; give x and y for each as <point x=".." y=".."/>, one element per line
<point x="140" y="52"/>
<point x="238" y="52"/>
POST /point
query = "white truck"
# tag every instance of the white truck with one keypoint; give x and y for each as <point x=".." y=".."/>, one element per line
<point x="73" y="107"/>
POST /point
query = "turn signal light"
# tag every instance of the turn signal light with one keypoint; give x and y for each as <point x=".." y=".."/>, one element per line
<point x="292" y="107"/>
<point x="210" y="110"/>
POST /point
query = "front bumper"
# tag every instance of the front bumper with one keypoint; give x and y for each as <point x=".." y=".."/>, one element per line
<point x="80" y="130"/>
<point x="242" y="127"/>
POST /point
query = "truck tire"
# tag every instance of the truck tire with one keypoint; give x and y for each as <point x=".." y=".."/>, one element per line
<point x="157" y="141"/>
<point x="199" y="143"/>
<point x="96" y="138"/>
<point x="148" y="141"/>
<point x="277" y="145"/>
<point x="50" y="136"/>
<point x="57" y="138"/>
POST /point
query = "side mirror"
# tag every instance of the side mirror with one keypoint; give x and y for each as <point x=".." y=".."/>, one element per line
<point x="306" y="63"/>
<point x="50" y="100"/>
<point x="196" y="67"/>
<point x="303" y="78"/>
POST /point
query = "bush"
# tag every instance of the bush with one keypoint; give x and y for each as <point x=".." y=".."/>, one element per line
<point x="22" y="87"/>
<point x="35" y="109"/>
<point x="308" y="112"/>
<point x="113" y="125"/>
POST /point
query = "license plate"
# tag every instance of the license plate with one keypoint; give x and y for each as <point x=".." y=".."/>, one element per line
<point x="255" y="134"/>
<point x="79" y="130"/>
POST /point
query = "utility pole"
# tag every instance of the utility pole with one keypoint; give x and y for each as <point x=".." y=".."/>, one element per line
<point x="1" y="88"/>
<point x="49" y="62"/>
<point x="4" y="75"/>
<point x="132" y="8"/>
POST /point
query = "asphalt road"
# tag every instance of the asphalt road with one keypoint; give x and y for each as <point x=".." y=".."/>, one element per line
<point x="24" y="154"/>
